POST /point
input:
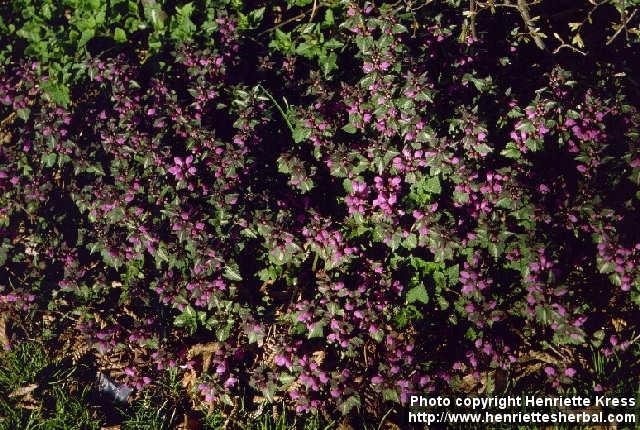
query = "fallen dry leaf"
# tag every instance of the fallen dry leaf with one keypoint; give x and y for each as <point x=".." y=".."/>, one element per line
<point x="205" y="350"/>
<point x="318" y="357"/>
<point x="4" y="339"/>
<point x="189" y="422"/>
<point x="469" y="384"/>
<point x="539" y="356"/>
<point x="618" y="324"/>
<point x="344" y="425"/>
<point x="188" y="379"/>
<point x="23" y="391"/>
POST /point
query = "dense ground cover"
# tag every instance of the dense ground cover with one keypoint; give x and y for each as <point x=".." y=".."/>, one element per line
<point x="321" y="207"/>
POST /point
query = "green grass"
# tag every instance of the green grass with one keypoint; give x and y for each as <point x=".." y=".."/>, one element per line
<point x="145" y="414"/>
<point x="52" y="404"/>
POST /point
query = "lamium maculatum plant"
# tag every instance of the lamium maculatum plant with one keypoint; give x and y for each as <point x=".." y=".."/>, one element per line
<point x="386" y="200"/>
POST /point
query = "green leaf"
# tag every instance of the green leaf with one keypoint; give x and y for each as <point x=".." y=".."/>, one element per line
<point x="300" y="134"/>
<point x="23" y="113"/>
<point x="286" y="379"/>
<point x="543" y="313"/>
<point x="418" y="294"/>
<point x="255" y="17"/>
<point x="346" y="183"/>
<point x="4" y="249"/>
<point x="282" y="42"/>
<point x="411" y="241"/>
<point x="433" y="185"/>
<point x="533" y="144"/>
<point x="399" y="28"/>
<point x="460" y="197"/>
<point x="223" y="333"/>
<point x="505" y="203"/>
<point x="390" y="395"/>
<point x="187" y="319"/>
<point x="350" y="403"/>
<point x="442" y="302"/>
<point x="291" y="3"/>
<point x="58" y="92"/>
<point x="483" y="148"/>
<point x="87" y="35"/>
<point x="493" y="249"/>
<point x="49" y="160"/>
<point x="119" y="35"/>
<point x="511" y="151"/>
<point x="306" y="185"/>
<point x="453" y="275"/>
<point x="154" y="13"/>
<point x="182" y="28"/>
<point x="232" y="273"/>
<point x="350" y="128"/>
<point x="328" y="18"/>
<point x="317" y="331"/>
<point x="607" y="267"/>
<point x="439" y="279"/>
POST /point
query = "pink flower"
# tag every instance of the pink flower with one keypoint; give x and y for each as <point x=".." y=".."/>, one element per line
<point x="230" y="382"/>
<point x="377" y="379"/>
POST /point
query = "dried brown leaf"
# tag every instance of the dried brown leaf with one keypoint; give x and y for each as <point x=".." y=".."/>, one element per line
<point x="344" y="425"/>
<point x="469" y="384"/>
<point x="189" y="422"/>
<point x="538" y="356"/>
<point x="23" y="391"/>
<point x="618" y="324"/>
<point x="4" y="339"/>
<point x="318" y="357"/>
<point x="391" y="426"/>
<point x="188" y="379"/>
<point x="205" y="350"/>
